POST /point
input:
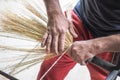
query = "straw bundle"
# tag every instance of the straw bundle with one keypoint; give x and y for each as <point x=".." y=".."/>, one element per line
<point x="28" y="20"/>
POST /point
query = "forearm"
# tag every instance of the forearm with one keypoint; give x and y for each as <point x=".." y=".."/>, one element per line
<point x="53" y="8"/>
<point x="107" y="44"/>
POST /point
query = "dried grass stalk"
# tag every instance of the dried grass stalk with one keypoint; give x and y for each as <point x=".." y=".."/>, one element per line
<point x="30" y="22"/>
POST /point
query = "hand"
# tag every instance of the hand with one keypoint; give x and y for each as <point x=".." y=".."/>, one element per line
<point x="81" y="51"/>
<point x="54" y="37"/>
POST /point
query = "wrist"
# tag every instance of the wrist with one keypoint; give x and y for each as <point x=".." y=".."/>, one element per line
<point x="98" y="46"/>
<point x="52" y="14"/>
<point x="53" y="8"/>
<point x="107" y="44"/>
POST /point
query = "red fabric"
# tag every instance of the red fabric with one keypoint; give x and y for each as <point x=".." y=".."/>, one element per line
<point x="60" y="70"/>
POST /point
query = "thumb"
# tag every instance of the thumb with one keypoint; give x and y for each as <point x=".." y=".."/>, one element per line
<point x="72" y="31"/>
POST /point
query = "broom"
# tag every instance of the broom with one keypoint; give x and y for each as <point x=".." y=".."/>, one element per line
<point x="29" y="21"/>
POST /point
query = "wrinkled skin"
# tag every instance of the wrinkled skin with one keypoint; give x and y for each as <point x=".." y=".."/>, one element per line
<point x="81" y="51"/>
<point x="54" y="37"/>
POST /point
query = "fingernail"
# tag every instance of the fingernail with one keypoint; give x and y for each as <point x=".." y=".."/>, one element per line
<point x="47" y="51"/>
<point x="56" y="53"/>
<point x="41" y="44"/>
<point x="83" y="63"/>
<point x="61" y="50"/>
<point x="76" y="35"/>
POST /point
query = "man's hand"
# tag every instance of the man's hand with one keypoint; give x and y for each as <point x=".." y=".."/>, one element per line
<point x="54" y="37"/>
<point x="81" y="51"/>
<point x="58" y="25"/>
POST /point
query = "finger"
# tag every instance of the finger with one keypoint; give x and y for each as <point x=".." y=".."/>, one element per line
<point x="81" y="61"/>
<point x="88" y="58"/>
<point x="44" y="39"/>
<point x="55" y="44"/>
<point x="71" y="53"/>
<point x="72" y="31"/>
<point x="61" y="42"/>
<point x="48" y="43"/>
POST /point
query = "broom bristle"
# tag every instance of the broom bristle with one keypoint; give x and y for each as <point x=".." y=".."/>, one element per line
<point x="29" y="20"/>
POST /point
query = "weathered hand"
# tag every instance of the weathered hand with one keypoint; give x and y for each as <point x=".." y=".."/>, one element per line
<point x="81" y="51"/>
<point x="54" y="37"/>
